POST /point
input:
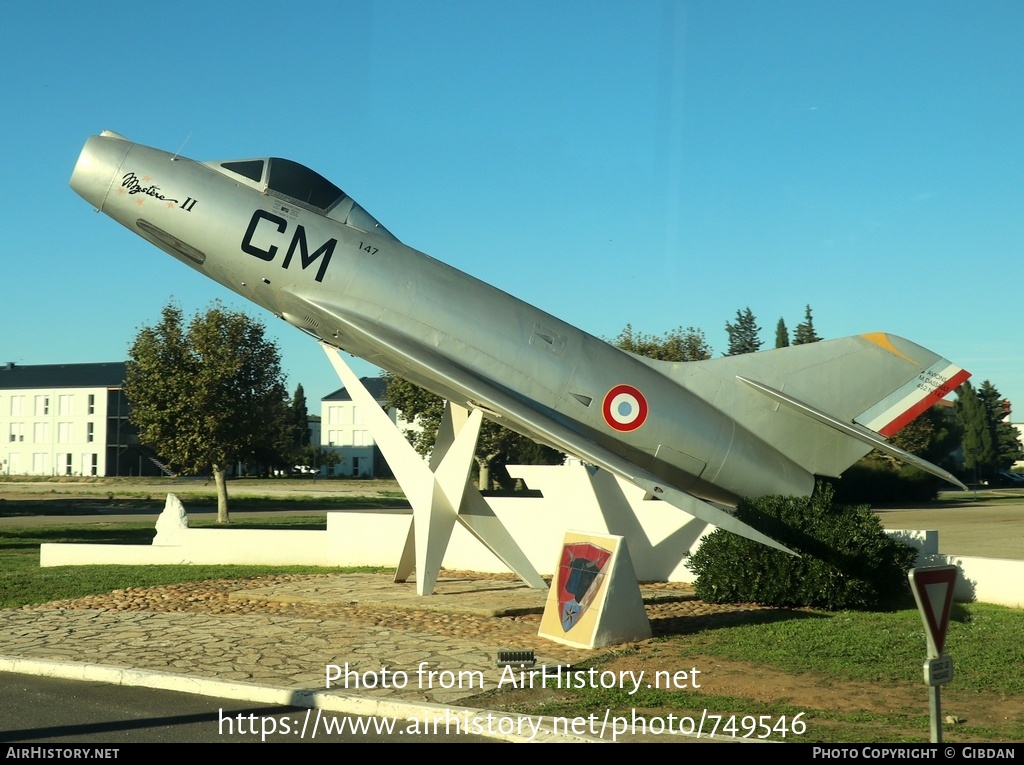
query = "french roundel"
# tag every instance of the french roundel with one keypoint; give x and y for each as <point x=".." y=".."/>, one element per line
<point x="624" y="408"/>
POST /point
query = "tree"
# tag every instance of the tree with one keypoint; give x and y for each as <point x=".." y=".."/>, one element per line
<point x="1005" y="443"/>
<point x="207" y="394"/>
<point x="882" y="478"/>
<point x="781" y="334"/>
<point x="805" y="330"/>
<point x="274" y="454"/>
<point x="314" y="457"/>
<point x="979" y="451"/>
<point x="496" y="447"/>
<point x="299" y="417"/>
<point x="296" y="430"/>
<point x="418" y="407"/>
<point x="933" y="436"/>
<point x="675" y="345"/>
<point x="326" y="457"/>
<point x="743" y="335"/>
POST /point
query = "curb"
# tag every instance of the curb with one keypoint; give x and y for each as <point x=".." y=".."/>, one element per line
<point x="302" y="699"/>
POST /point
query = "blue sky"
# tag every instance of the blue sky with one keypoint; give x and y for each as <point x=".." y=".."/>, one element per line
<point x="653" y="163"/>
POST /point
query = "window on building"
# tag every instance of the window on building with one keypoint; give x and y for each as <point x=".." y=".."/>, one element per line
<point x="89" y="432"/>
<point x="40" y="463"/>
<point x="63" y="432"/>
<point x="357" y="416"/>
<point x="17" y="404"/>
<point x="41" y="434"/>
<point x="17" y="431"/>
<point x="42" y="406"/>
<point x="335" y="415"/>
<point x="92" y="404"/>
<point x="67" y="464"/>
<point x="66" y="403"/>
<point x="355" y="466"/>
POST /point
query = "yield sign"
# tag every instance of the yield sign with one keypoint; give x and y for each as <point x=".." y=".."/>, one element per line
<point x="933" y="591"/>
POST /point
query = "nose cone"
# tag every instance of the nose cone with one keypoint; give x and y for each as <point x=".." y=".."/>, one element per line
<point x="97" y="167"/>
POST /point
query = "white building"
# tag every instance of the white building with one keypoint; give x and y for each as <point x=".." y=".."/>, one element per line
<point x="342" y="429"/>
<point x="68" y="419"/>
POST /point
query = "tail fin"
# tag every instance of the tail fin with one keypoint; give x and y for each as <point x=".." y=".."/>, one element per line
<point x="825" y="405"/>
<point x="890" y="415"/>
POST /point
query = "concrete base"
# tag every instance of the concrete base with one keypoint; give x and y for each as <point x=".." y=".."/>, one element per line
<point x="659" y="537"/>
<point x="439" y="491"/>
<point x="594" y="600"/>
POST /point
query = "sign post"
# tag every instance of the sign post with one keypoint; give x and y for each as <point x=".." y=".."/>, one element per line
<point x="933" y="591"/>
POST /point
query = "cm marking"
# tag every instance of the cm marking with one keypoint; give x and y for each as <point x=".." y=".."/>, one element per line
<point x="298" y="242"/>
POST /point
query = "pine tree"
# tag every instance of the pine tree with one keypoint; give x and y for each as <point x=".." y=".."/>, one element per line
<point x="299" y="418"/>
<point x="805" y="330"/>
<point x="743" y="335"/>
<point x="979" y="452"/>
<point x="781" y="334"/>
<point x="1005" y="443"/>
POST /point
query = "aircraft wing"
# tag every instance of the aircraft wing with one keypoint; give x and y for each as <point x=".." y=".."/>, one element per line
<point x="506" y="409"/>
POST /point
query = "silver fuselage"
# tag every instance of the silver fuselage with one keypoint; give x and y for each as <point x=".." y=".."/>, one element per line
<point x="339" y="276"/>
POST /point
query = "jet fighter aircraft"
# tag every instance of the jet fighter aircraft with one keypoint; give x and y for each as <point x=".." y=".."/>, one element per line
<point x="291" y="241"/>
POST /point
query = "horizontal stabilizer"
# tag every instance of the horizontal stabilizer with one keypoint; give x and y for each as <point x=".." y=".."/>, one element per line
<point x="826" y="400"/>
<point x="854" y="431"/>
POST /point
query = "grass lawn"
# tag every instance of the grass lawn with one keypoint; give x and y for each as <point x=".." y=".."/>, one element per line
<point x="22" y="581"/>
<point x="847" y="676"/>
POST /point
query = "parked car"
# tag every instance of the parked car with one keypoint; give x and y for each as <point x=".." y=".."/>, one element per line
<point x="1008" y="478"/>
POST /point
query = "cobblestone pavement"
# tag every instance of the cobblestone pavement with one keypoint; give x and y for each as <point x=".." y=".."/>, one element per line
<point x="283" y="631"/>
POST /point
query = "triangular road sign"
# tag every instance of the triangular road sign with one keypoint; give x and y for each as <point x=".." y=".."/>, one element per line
<point x="933" y="590"/>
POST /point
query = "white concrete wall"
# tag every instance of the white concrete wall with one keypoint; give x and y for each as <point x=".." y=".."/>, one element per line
<point x="658" y="535"/>
<point x="202" y="546"/>
<point x="175" y="543"/>
<point x="985" y="580"/>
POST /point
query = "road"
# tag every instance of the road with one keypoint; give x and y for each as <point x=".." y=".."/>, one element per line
<point x="48" y="711"/>
<point x="990" y="527"/>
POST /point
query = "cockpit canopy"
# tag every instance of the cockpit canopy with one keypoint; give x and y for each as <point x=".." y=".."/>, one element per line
<point x="297" y="183"/>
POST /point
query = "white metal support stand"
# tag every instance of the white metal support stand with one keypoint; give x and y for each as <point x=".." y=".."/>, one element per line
<point x="440" y="494"/>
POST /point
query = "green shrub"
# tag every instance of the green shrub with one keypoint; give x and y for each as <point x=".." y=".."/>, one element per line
<point x="847" y="561"/>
